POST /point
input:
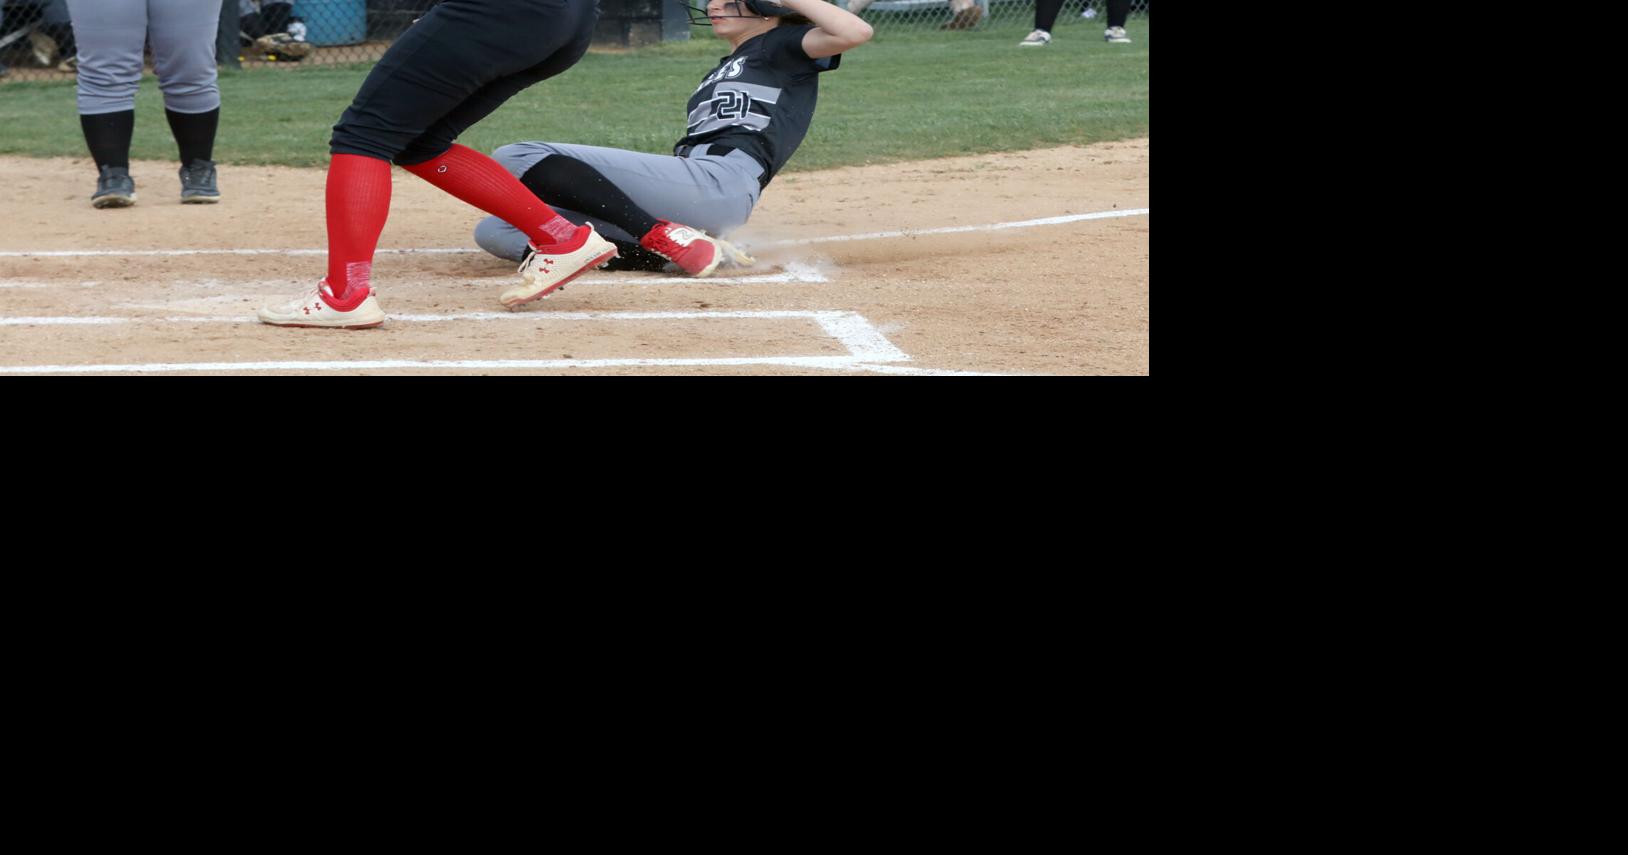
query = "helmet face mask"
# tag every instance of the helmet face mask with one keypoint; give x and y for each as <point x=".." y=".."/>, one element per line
<point x="734" y="9"/>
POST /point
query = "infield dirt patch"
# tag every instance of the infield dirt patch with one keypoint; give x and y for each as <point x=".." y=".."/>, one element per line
<point x="1054" y="299"/>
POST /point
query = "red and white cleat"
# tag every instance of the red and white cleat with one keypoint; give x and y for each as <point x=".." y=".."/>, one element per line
<point x="312" y="309"/>
<point x="690" y="249"/>
<point x="546" y="269"/>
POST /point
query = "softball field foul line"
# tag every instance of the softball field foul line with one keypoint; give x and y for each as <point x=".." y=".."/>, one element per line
<point x="864" y="342"/>
<point x="1020" y="224"/>
<point x="794" y="273"/>
<point x="850" y="328"/>
<point x="822" y="362"/>
<point x="925" y="372"/>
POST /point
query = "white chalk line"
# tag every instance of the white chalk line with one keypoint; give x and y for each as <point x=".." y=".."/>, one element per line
<point x="850" y="329"/>
<point x="32" y="322"/>
<point x="816" y="362"/>
<point x="139" y="253"/>
<point x="823" y="317"/>
<point x="794" y="273"/>
<point x="858" y="336"/>
<point x="950" y="230"/>
<point x="925" y="372"/>
<point x="865" y="344"/>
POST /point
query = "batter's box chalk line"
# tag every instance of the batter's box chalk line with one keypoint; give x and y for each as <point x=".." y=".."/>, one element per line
<point x="949" y="230"/>
<point x="868" y="349"/>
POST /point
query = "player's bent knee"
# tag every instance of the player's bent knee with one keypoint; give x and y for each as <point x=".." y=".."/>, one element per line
<point x="518" y="158"/>
<point x="557" y="174"/>
<point x="500" y="239"/>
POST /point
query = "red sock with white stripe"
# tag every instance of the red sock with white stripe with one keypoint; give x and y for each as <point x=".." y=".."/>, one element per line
<point x="484" y="183"/>
<point x="358" y="204"/>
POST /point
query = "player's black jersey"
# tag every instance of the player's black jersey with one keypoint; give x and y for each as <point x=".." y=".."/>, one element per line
<point x="760" y="99"/>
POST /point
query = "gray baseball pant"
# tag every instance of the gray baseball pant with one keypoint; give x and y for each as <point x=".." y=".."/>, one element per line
<point x="703" y="191"/>
<point x="111" y="34"/>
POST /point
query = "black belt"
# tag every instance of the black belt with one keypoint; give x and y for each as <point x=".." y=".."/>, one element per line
<point x="715" y="149"/>
<point x="712" y="148"/>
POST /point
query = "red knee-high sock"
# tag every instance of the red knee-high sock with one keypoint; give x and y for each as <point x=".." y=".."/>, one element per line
<point x="358" y="204"/>
<point x="482" y="182"/>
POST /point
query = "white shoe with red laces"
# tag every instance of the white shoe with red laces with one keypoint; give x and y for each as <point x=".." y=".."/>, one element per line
<point x="690" y="249"/>
<point x="312" y="309"/>
<point x="547" y="269"/>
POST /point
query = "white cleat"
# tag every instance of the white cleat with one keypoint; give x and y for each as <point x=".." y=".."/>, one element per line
<point x="1038" y="38"/>
<point x="311" y="310"/>
<point x="545" y="270"/>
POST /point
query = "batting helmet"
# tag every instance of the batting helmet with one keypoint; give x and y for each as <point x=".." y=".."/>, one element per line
<point x="758" y="8"/>
<point x="767" y="8"/>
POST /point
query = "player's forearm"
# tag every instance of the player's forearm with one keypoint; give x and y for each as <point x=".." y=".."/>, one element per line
<point x="837" y="23"/>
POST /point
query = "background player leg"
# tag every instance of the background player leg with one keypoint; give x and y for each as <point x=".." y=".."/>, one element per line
<point x="1118" y="11"/>
<point x="1045" y="17"/>
<point x="110" y="35"/>
<point x="183" y="35"/>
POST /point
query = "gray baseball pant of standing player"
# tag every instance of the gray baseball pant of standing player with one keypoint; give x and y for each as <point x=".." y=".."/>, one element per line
<point x="111" y="34"/>
<point x="703" y="191"/>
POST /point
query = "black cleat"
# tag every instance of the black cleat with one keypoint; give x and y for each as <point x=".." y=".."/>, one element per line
<point x="114" y="188"/>
<point x="198" y="183"/>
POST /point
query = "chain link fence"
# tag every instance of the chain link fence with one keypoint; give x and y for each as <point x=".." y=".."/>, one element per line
<point x="37" y="40"/>
<point x="922" y="15"/>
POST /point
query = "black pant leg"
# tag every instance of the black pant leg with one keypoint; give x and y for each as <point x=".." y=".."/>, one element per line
<point x="454" y="67"/>
<point x="1045" y="14"/>
<point x="444" y="132"/>
<point x="1118" y="11"/>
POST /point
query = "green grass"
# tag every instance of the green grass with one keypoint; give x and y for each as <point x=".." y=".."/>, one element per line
<point x="904" y="96"/>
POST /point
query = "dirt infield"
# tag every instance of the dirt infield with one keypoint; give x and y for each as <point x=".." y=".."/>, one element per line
<point x="1060" y="298"/>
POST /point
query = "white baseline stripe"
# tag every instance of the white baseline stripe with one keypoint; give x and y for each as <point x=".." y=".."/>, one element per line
<point x="167" y="252"/>
<point x="22" y="322"/>
<point x="925" y="372"/>
<point x="1021" y="224"/>
<point x="792" y="273"/>
<point x="852" y="330"/>
<point x="1024" y="224"/>
<point x="823" y="362"/>
<point x="844" y="326"/>
<point x="619" y="316"/>
<point x="860" y="337"/>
